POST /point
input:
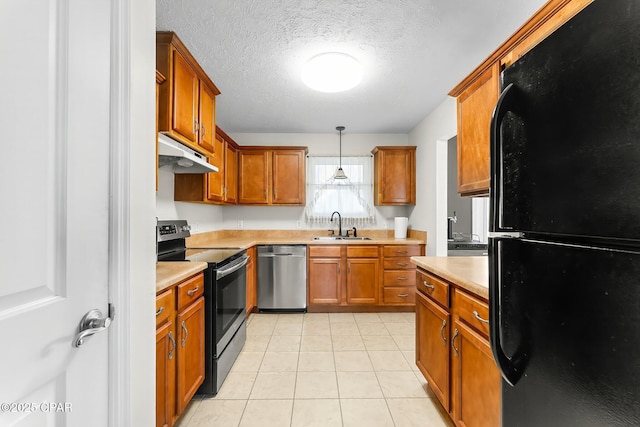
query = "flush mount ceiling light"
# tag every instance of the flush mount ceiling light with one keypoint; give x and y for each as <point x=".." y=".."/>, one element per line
<point x="332" y="72"/>
<point x="340" y="173"/>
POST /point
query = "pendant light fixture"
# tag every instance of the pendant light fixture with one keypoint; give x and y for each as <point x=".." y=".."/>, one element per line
<point x="340" y="173"/>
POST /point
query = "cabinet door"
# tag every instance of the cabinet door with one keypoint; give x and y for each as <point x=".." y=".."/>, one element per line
<point x="253" y="177"/>
<point x="288" y="177"/>
<point x="324" y="280"/>
<point x="215" y="180"/>
<point x="475" y="380"/>
<point x="230" y="174"/>
<point x="432" y="346"/>
<point x="190" y="343"/>
<point x="207" y="119"/>
<point x="185" y="98"/>
<point x="252" y="290"/>
<point x="362" y="281"/>
<point x="475" y="107"/>
<point x="165" y="375"/>
<point x="396" y="177"/>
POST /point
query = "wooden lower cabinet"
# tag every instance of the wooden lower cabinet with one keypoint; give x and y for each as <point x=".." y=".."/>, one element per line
<point x="453" y="351"/>
<point x="165" y="375"/>
<point x="399" y="274"/>
<point x="344" y="275"/>
<point x="325" y="280"/>
<point x="362" y="280"/>
<point x="179" y="348"/>
<point x="432" y="346"/>
<point x="190" y="343"/>
<point x="252" y="282"/>
<point x="475" y="380"/>
<point x="365" y="276"/>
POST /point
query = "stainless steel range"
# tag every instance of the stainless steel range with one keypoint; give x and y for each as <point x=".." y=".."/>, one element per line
<point x="224" y="296"/>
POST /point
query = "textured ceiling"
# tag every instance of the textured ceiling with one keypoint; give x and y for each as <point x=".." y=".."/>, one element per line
<point x="413" y="52"/>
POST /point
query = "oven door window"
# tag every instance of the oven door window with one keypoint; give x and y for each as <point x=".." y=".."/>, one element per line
<point x="230" y="301"/>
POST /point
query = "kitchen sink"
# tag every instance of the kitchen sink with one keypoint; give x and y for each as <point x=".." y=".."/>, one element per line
<point x="340" y="238"/>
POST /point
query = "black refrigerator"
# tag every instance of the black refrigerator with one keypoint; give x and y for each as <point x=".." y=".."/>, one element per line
<point x="564" y="247"/>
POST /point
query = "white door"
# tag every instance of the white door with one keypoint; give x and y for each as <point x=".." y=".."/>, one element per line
<point x="54" y="210"/>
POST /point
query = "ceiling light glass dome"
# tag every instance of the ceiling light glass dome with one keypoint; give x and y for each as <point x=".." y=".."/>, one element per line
<point x="332" y="72"/>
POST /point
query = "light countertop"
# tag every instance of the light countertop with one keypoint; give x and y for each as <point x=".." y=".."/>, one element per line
<point x="470" y="273"/>
<point x="170" y="273"/>
<point x="246" y="243"/>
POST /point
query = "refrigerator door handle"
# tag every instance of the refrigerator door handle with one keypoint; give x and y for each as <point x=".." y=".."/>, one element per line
<point x="505" y="104"/>
<point x="512" y="367"/>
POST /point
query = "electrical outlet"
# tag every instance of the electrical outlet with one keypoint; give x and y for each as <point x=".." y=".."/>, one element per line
<point x="298" y="224"/>
<point x="240" y="223"/>
<point x="386" y="224"/>
<point x="195" y="227"/>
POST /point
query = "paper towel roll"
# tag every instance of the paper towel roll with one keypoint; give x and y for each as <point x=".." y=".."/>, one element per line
<point x="400" y="223"/>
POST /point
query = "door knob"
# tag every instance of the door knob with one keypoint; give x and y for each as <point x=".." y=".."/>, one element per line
<point x="92" y="323"/>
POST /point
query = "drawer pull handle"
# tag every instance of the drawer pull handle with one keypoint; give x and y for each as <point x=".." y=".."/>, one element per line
<point x="403" y="295"/>
<point x="186" y="333"/>
<point x="453" y="341"/>
<point x="402" y="252"/>
<point x="477" y="316"/>
<point x="433" y="288"/>
<point x="160" y="310"/>
<point x="173" y="345"/>
<point x="402" y="264"/>
<point x="444" y="325"/>
<point x="193" y="291"/>
<point x="401" y="278"/>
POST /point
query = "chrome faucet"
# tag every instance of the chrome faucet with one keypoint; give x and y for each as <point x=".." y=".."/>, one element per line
<point x="339" y="222"/>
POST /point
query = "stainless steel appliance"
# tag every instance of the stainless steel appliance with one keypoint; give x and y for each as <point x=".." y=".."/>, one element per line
<point x="224" y="296"/>
<point x="282" y="277"/>
<point x="564" y="251"/>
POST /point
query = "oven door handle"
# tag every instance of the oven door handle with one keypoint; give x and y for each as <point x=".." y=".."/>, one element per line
<point x="234" y="267"/>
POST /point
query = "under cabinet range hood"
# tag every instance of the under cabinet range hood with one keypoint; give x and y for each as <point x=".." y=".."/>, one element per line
<point x="183" y="158"/>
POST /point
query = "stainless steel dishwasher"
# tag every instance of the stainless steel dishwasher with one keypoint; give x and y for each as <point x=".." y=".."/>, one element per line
<point x="282" y="277"/>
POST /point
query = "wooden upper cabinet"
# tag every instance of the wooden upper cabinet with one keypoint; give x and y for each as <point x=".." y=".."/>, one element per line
<point x="478" y="93"/>
<point x="475" y="107"/>
<point x="185" y="87"/>
<point x="230" y="173"/>
<point x="215" y="187"/>
<point x="215" y="184"/>
<point x="207" y="119"/>
<point x="394" y="175"/>
<point x="289" y="177"/>
<point x="272" y="175"/>
<point x="187" y="101"/>
<point x="253" y="171"/>
<point x="557" y="13"/>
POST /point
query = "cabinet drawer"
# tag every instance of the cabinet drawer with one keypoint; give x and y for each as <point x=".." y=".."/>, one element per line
<point x="362" y="251"/>
<point x="401" y="250"/>
<point x="472" y="311"/>
<point x="324" y="251"/>
<point x="398" y="263"/>
<point x="400" y="295"/>
<point x="436" y="289"/>
<point x="399" y="278"/>
<point x="190" y="290"/>
<point x="165" y="306"/>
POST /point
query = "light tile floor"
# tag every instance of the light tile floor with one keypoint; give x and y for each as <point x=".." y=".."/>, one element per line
<point x="323" y="369"/>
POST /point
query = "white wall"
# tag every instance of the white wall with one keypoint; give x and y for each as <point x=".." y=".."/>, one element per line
<point x="431" y="136"/>
<point x="202" y="217"/>
<point x="211" y="217"/>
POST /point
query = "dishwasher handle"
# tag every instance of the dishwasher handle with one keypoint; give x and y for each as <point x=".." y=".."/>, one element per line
<point x="270" y="255"/>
